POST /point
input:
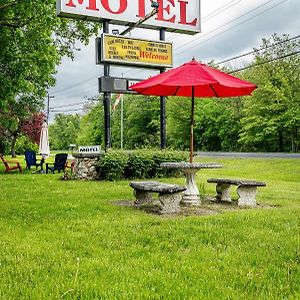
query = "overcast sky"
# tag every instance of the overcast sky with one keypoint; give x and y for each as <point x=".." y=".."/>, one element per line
<point x="229" y="28"/>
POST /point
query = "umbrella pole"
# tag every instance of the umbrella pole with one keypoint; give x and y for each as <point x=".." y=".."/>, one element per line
<point x="192" y="126"/>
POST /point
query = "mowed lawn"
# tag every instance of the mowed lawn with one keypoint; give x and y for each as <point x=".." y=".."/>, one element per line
<point x="69" y="240"/>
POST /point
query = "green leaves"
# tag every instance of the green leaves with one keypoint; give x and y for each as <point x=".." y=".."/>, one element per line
<point x="33" y="41"/>
<point x="63" y="131"/>
<point x="271" y="117"/>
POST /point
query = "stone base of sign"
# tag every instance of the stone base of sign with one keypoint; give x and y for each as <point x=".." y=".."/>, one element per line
<point x="86" y="166"/>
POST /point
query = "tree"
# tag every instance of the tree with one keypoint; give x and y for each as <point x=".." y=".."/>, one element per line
<point x="91" y="131"/>
<point x="13" y="118"/>
<point x="63" y="131"/>
<point x="33" y="41"/>
<point x="142" y="125"/>
<point x="32" y="127"/>
<point x="178" y="122"/>
<point x="272" y="116"/>
<point x="216" y="123"/>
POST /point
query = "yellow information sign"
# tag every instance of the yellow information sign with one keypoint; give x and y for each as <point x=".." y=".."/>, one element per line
<point x="121" y="50"/>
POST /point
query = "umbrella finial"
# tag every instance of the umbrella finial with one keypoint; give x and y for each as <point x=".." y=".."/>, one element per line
<point x="193" y="59"/>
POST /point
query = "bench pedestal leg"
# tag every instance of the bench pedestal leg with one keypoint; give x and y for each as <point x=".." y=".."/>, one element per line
<point x="142" y="198"/>
<point x="223" y="192"/>
<point x="169" y="202"/>
<point x="191" y="196"/>
<point x="247" y="196"/>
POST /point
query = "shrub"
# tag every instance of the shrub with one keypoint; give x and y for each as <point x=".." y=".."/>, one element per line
<point x="25" y="143"/>
<point x="116" y="165"/>
<point x="112" y="165"/>
<point x="168" y="156"/>
<point x="140" y="164"/>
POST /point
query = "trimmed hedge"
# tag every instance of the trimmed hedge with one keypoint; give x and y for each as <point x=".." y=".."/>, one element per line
<point x="112" y="165"/>
<point x="116" y="165"/>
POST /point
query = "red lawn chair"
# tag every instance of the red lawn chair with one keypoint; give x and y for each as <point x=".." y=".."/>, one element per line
<point x="9" y="167"/>
<point x="71" y="166"/>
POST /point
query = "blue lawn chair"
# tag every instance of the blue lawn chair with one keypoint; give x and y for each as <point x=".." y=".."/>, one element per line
<point x="30" y="157"/>
<point x="59" y="163"/>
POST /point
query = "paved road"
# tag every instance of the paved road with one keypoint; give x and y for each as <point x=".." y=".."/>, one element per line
<point x="249" y="154"/>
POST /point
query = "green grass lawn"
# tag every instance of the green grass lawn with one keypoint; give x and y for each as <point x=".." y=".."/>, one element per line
<point x="68" y="240"/>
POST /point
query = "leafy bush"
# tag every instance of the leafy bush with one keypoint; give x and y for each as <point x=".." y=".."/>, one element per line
<point x="112" y="165"/>
<point x="25" y="143"/>
<point x="116" y="165"/>
<point x="140" y="164"/>
<point x="168" y="156"/>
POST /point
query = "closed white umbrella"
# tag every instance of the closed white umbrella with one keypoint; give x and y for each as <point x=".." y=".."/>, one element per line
<point x="44" y="148"/>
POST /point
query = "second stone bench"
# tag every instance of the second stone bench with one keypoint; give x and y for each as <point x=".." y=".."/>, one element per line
<point x="246" y="190"/>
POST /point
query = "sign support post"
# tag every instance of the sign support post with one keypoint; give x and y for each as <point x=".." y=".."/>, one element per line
<point x="163" y="139"/>
<point x="122" y="120"/>
<point x="106" y="97"/>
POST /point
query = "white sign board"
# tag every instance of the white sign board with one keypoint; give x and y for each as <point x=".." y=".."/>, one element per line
<point x="89" y="149"/>
<point x="173" y="15"/>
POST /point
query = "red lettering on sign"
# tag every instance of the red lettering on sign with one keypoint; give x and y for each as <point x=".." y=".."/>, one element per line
<point x="183" y="20"/>
<point x="162" y="9"/>
<point x="92" y="4"/>
<point x="141" y="7"/>
<point x="151" y="55"/>
<point x="122" y="7"/>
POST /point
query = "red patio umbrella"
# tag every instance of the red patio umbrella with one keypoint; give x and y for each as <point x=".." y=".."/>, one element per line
<point x="194" y="79"/>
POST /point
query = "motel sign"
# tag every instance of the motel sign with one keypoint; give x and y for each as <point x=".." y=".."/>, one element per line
<point x="174" y="15"/>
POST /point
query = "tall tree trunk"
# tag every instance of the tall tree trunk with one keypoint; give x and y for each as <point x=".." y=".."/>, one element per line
<point x="294" y="139"/>
<point x="280" y="140"/>
<point x="13" y="145"/>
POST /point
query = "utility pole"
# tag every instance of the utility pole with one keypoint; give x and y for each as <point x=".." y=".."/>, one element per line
<point x="48" y="106"/>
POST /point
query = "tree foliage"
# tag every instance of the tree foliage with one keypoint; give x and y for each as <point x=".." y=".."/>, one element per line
<point x="267" y="121"/>
<point x="91" y="131"/>
<point x="33" y="41"/>
<point x="141" y="122"/>
<point x="63" y="131"/>
<point x="32" y="127"/>
<point x="216" y="123"/>
<point x="272" y="116"/>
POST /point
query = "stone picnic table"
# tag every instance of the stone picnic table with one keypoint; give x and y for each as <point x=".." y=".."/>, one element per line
<point x="191" y="195"/>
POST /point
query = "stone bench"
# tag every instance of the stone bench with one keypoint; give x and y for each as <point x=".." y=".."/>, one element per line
<point x="246" y="190"/>
<point x="169" y="196"/>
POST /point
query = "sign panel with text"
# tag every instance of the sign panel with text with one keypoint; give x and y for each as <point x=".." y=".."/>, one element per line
<point x="89" y="149"/>
<point x="173" y="15"/>
<point x="138" y="52"/>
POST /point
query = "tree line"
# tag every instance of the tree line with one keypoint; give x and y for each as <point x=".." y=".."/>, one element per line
<point x="33" y="42"/>
<point x="267" y="121"/>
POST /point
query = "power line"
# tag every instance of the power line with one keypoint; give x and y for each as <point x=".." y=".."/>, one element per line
<point x="265" y="62"/>
<point x="220" y="8"/>
<point x="75" y="85"/>
<point x="257" y="50"/>
<point x="231" y="21"/>
<point x="212" y="15"/>
<point x="250" y="11"/>
<point x="231" y="72"/>
<point x="67" y="110"/>
<point x="68" y="105"/>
